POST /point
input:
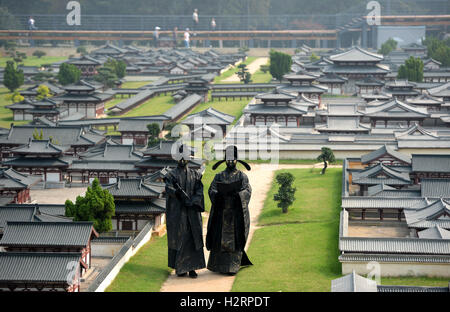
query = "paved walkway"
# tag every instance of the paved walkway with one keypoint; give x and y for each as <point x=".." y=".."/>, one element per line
<point x="253" y="67"/>
<point x="56" y="196"/>
<point x="260" y="178"/>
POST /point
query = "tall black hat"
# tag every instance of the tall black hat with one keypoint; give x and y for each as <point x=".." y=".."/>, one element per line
<point x="231" y="153"/>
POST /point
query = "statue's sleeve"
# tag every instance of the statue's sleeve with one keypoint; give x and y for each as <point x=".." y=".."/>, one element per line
<point x="170" y="188"/>
<point x="198" y="199"/>
<point x="212" y="192"/>
<point x="246" y="191"/>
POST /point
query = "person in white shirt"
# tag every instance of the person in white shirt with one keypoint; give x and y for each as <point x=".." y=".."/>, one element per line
<point x="195" y="19"/>
<point x="31" y="25"/>
<point x="186" y="38"/>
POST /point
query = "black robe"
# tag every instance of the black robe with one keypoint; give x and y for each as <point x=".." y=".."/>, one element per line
<point x="228" y="224"/>
<point x="184" y="221"/>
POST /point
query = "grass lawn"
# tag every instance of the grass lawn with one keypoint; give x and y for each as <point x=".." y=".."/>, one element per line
<point x="154" y="106"/>
<point x="146" y="271"/>
<point x="303" y="256"/>
<point x="233" y="70"/>
<point x="303" y="243"/>
<point x="134" y="84"/>
<point x="34" y="61"/>
<point x="261" y="77"/>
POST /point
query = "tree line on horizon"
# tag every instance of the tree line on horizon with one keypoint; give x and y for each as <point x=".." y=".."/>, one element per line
<point x="206" y="7"/>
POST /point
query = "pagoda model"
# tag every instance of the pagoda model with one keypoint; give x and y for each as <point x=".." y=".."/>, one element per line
<point x="84" y="99"/>
<point x="276" y="107"/>
<point x="86" y="64"/>
<point x="302" y="83"/>
<point x="401" y="89"/>
<point x="137" y="202"/>
<point x="357" y="64"/>
<point x="41" y="158"/>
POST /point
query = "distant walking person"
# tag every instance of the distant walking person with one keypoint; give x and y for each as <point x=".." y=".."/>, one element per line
<point x="195" y="20"/>
<point x="174" y="36"/>
<point x="213" y="24"/>
<point x="156" y="37"/>
<point x="31" y="23"/>
<point x="186" y="38"/>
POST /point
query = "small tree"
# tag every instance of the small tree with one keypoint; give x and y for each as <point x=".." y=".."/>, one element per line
<point x="13" y="78"/>
<point x="43" y="92"/>
<point x="82" y="50"/>
<point x="106" y="76"/>
<point x="286" y="193"/>
<point x="68" y="73"/>
<point x="153" y="130"/>
<point x="118" y="67"/>
<point x="387" y="47"/>
<point x="280" y="64"/>
<point x="244" y="74"/>
<point x="38" y="135"/>
<point x="97" y="206"/>
<point x="411" y="70"/>
<point x="39" y="53"/>
<point x="314" y="57"/>
<point x="326" y="156"/>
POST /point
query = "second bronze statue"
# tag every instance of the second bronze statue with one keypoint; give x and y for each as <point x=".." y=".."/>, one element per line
<point x="229" y="219"/>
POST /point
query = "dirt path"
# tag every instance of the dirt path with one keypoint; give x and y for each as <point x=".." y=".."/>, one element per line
<point x="252" y="68"/>
<point x="260" y="178"/>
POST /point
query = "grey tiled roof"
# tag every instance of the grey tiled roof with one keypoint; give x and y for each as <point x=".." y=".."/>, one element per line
<point x="183" y="106"/>
<point x="131" y="102"/>
<point x="371" y="176"/>
<point x="410" y="289"/>
<point x="209" y="116"/>
<point x="435" y="188"/>
<point x="109" y="152"/>
<point x="396" y="109"/>
<point x="394" y="245"/>
<point x="430" y="213"/>
<point x="135" y="188"/>
<point x="12" y="179"/>
<point x="353" y="283"/>
<point x="99" y="165"/>
<point x="35" y="267"/>
<point x="385" y="150"/>
<point x="153" y="207"/>
<point x="332" y="78"/>
<point x="377" y="69"/>
<point x="37" y="161"/>
<point x="431" y="163"/>
<point x="139" y="124"/>
<point x="393" y="258"/>
<point x="40" y="147"/>
<point x="35" y="234"/>
<point x="291" y="109"/>
<point x="440" y="91"/>
<point x="49" y="209"/>
<point x="15" y="214"/>
<point x="66" y="135"/>
<point x="425" y="99"/>
<point x="435" y="232"/>
<point x="357" y="54"/>
<point x="379" y="202"/>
